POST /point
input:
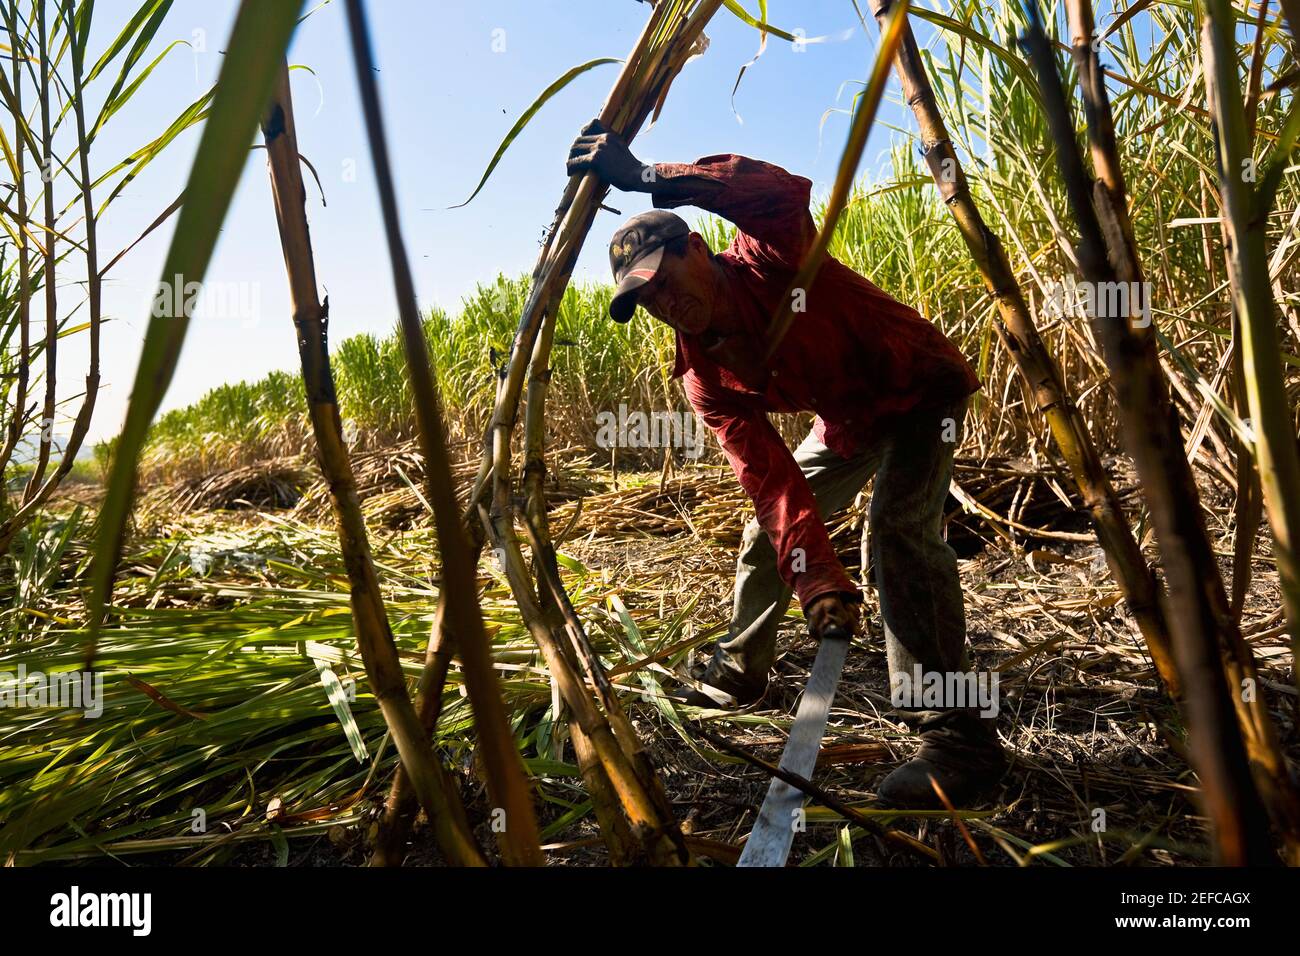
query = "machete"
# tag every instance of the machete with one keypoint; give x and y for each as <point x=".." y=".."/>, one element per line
<point x="769" y="842"/>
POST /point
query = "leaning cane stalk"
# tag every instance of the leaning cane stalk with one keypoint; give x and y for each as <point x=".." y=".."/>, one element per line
<point x="549" y="577"/>
<point x="1196" y="593"/>
<point x="1018" y="334"/>
<point x="659" y="840"/>
<point x="401" y="805"/>
<point x="1263" y="750"/>
<point x="620" y="841"/>
<point x="661" y="51"/>
<point x="1245" y="210"/>
<point x="507" y="784"/>
<point x="370" y="618"/>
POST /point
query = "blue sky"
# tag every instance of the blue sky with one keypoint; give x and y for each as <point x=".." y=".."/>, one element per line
<point x="449" y="98"/>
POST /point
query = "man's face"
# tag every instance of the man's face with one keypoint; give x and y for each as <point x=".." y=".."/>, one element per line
<point x="681" y="293"/>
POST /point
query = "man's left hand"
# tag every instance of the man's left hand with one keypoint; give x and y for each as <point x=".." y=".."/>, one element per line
<point x="602" y="151"/>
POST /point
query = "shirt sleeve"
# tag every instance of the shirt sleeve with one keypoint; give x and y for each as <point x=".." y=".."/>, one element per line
<point x="782" y="497"/>
<point x="764" y="201"/>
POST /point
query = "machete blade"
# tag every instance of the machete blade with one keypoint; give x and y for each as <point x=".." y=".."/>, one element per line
<point x="769" y="842"/>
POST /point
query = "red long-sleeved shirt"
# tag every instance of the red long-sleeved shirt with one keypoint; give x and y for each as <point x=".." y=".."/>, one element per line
<point x="855" y="357"/>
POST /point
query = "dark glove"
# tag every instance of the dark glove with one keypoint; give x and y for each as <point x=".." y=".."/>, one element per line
<point x="602" y="151"/>
<point x="831" y="616"/>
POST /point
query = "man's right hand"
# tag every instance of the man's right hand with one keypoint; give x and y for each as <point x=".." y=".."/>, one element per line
<point x="602" y="151"/>
<point x="831" y="612"/>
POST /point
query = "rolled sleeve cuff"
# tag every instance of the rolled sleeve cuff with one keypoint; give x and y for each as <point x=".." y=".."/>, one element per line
<point x="810" y="585"/>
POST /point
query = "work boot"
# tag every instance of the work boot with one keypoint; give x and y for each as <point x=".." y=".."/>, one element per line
<point x="724" y="689"/>
<point x="960" y="750"/>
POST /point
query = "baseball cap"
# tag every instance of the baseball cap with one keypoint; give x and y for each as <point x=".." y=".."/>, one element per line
<point x="635" y="253"/>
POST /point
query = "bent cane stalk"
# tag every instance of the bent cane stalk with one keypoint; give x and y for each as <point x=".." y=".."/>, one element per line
<point x="1246" y="211"/>
<point x="658" y="840"/>
<point x="1271" y="774"/>
<point x="618" y="837"/>
<point x="507" y="784"/>
<point x="549" y="578"/>
<point x="370" y="618"/>
<point x="1019" y="335"/>
<point x="658" y="56"/>
<point x="1228" y="792"/>
<point x="619" y="840"/>
<point x="401" y="804"/>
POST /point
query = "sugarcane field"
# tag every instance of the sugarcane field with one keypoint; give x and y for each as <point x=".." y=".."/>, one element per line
<point x="650" y="434"/>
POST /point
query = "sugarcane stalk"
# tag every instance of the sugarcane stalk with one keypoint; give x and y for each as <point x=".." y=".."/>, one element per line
<point x="1272" y="776"/>
<point x="1018" y="334"/>
<point x="1246" y="211"/>
<point x="1247" y="505"/>
<point x="1196" y="596"/>
<point x="574" y="218"/>
<point x="50" y="355"/>
<point x="616" y="832"/>
<point x="506" y="781"/>
<point x="400" y="806"/>
<point x="653" y="834"/>
<point x="34" y="500"/>
<point x="19" y="420"/>
<point x="370" y="618"/>
<point x="658" y="55"/>
<point x="620" y="842"/>
<point x="585" y="653"/>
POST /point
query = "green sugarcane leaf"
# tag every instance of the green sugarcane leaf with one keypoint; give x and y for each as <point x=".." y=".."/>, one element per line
<point x="844" y="849"/>
<point x="151" y="12"/>
<point x="124" y="96"/>
<point x="529" y="113"/>
<point x="11" y="104"/>
<point x="763" y="26"/>
<point x="1010" y="58"/>
<point x="571" y="563"/>
<point x="1224" y="410"/>
<point x="253" y="56"/>
<point x="338" y="699"/>
<point x="1279" y="159"/>
<point x="195" y="113"/>
<point x="762" y="46"/>
<point x="281" y="844"/>
<point x="636" y="641"/>
<point x="85" y="14"/>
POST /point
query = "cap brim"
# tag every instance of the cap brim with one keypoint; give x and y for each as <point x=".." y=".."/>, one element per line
<point x="638" y="274"/>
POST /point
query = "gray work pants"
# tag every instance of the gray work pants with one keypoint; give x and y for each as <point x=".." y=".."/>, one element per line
<point x="916" y="571"/>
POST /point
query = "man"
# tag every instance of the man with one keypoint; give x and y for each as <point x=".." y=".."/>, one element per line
<point x="890" y="392"/>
